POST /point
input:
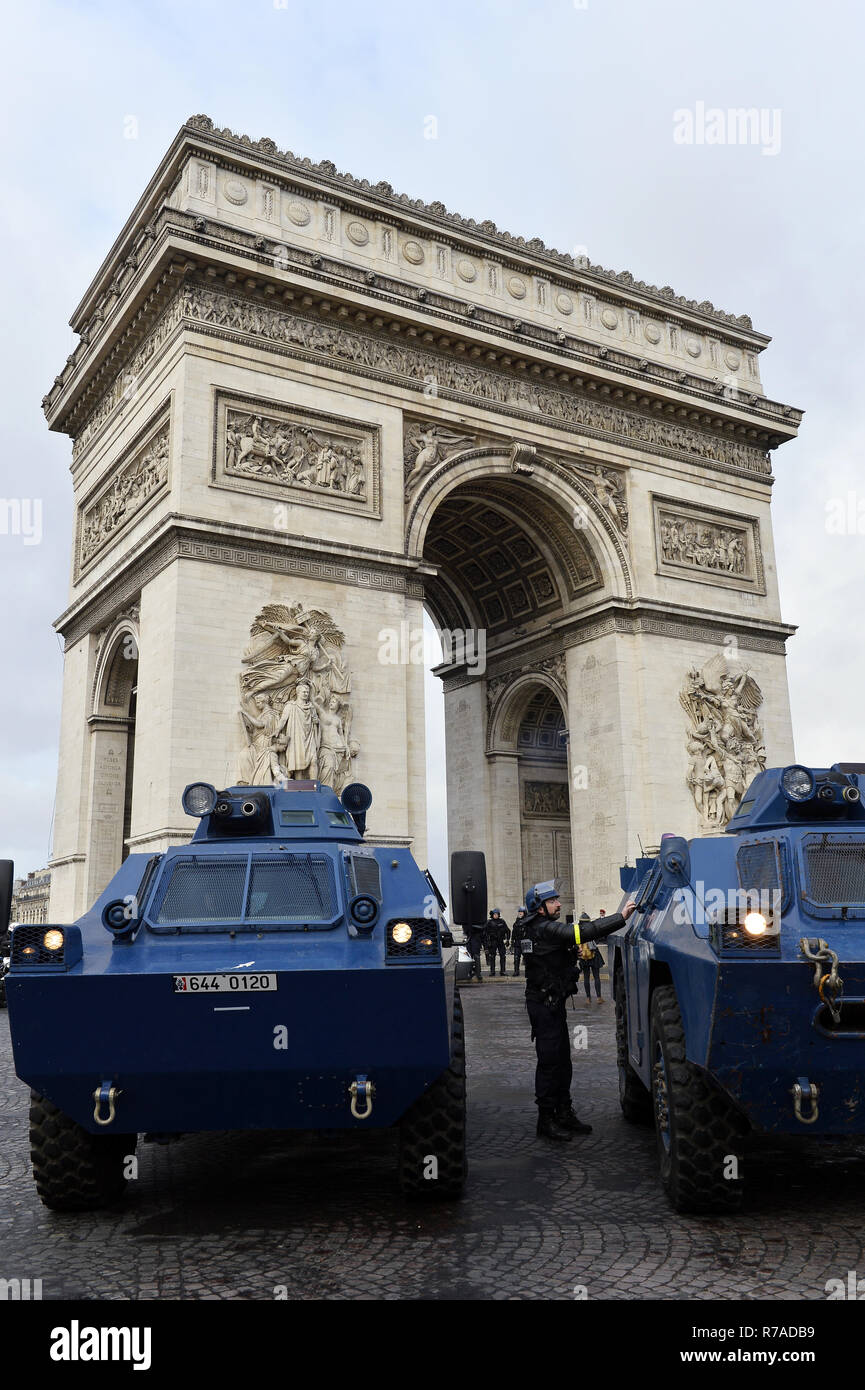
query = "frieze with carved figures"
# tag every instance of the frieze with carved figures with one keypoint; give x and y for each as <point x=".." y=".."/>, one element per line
<point x="297" y="456"/>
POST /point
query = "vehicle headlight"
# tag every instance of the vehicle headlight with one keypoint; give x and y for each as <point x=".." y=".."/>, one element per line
<point x="755" y="924"/>
<point x="401" y="933"/>
<point x="199" y="799"/>
<point x="53" y="940"/>
<point x="798" y="783"/>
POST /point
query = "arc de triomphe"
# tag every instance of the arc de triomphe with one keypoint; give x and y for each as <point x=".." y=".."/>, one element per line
<point x="303" y="408"/>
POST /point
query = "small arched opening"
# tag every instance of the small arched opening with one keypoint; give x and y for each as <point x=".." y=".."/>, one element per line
<point x="112" y="756"/>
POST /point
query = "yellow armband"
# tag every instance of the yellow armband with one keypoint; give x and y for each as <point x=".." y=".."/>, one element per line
<point x="577" y="933"/>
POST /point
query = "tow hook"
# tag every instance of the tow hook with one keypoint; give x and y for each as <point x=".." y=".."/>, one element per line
<point x="828" y="984"/>
<point x="361" y="1090"/>
<point x="106" y="1094"/>
<point x="805" y="1092"/>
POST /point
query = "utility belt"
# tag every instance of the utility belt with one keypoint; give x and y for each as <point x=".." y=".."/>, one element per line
<point x="551" y="983"/>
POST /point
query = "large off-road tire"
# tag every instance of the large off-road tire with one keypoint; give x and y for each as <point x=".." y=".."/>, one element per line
<point x="698" y="1129"/>
<point x="434" y="1128"/>
<point x="75" y="1170"/>
<point x="635" y="1100"/>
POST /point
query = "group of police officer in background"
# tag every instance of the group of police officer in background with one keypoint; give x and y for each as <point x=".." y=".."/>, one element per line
<point x="550" y="951"/>
<point x="493" y="938"/>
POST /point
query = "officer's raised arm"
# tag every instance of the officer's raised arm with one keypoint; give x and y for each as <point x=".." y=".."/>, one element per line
<point x="603" y="926"/>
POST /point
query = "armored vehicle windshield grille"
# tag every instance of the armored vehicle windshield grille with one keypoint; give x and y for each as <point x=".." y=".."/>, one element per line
<point x="761" y="868"/>
<point x="282" y="892"/>
<point x="836" y="868"/>
<point x="364" y="875"/>
<point x="291" y="886"/>
<point x="204" y="891"/>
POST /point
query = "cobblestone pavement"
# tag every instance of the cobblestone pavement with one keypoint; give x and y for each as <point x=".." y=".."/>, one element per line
<point x="235" y="1216"/>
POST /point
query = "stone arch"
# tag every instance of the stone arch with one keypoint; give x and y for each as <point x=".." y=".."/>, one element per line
<point x="112" y="722"/>
<point x="529" y="780"/>
<point x="542" y="475"/>
<point x="509" y="702"/>
<point x="116" y="668"/>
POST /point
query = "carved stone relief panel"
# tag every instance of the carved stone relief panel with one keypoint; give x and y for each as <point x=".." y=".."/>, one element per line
<point x="137" y="480"/>
<point x="298" y="456"/>
<point x="545" y="799"/>
<point x="426" y="444"/>
<point x="294" y="699"/>
<point x="724" y="740"/>
<point x="707" y="545"/>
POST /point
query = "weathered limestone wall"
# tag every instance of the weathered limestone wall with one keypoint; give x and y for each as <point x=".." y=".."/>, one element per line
<point x="253" y="297"/>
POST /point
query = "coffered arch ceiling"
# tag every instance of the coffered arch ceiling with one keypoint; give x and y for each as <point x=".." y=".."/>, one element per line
<point x="506" y="559"/>
<point x="542" y="726"/>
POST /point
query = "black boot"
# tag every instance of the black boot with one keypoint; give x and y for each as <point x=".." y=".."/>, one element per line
<point x="549" y="1128"/>
<point x="565" y="1117"/>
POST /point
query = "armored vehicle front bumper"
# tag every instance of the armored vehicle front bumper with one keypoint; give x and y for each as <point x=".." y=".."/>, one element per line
<point x="771" y="1030"/>
<point x="184" y="1060"/>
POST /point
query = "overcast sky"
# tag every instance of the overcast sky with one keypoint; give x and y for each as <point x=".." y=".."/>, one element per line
<point x="556" y="120"/>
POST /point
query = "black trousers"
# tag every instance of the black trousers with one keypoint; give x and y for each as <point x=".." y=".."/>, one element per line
<point x="518" y="955"/>
<point x="595" y="967"/>
<point x="500" y="952"/>
<point x="476" y="960"/>
<point x="553" y="1046"/>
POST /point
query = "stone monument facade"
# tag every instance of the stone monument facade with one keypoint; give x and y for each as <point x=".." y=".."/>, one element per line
<point x="303" y="408"/>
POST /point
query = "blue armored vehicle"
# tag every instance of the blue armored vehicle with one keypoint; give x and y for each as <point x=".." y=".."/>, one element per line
<point x="275" y="973"/>
<point x="739" y="982"/>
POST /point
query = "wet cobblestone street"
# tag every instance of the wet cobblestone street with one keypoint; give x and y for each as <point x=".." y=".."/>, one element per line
<point x="238" y="1216"/>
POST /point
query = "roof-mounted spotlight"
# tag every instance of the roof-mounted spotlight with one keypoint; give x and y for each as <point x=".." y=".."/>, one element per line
<point x="199" y="799"/>
<point x="357" y="799"/>
<point x="798" y="783"/>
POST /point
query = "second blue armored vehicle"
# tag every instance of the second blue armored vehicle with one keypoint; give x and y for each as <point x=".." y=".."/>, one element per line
<point x="275" y="973"/>
<point x="739" y="982"/>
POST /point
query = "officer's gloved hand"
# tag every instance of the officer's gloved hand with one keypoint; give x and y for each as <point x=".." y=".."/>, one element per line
<point x="604" y="926"/>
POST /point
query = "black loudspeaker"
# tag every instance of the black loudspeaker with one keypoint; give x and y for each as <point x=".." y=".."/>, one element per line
<point x="468" y="887"/>
<point x="7" y="875"/>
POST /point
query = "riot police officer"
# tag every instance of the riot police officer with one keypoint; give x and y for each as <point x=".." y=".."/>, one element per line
<point x="497" y="936"/>
<point x="474" y="945"/>
<point x="550" y="953"/>
<point x="516" y="943"/>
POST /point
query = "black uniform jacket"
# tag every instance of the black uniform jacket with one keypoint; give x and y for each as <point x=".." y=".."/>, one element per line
<point x="496" y="933"/>
<point x="551" y="963"/>
<point x="474" y="937"/>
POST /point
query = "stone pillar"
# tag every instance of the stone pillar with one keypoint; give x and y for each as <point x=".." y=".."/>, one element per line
<point x="68" y="859"/>
<point x="605" y="752"/>
<point x="109" y="741"/>
<point x="467" y="772"/>
<point x="504" y="865"/>
<point x="415" y="734"/>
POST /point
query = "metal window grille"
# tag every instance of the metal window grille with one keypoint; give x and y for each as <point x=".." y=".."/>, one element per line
<point x="365" y="875"/>
<point x="204" y="890"/>
<point x="292" y="887"/>
<point x="287" y="892"/>
<point x="836" y="869"/>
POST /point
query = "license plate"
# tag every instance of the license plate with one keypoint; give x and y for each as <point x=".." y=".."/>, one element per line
<point x="223" y="984"/>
